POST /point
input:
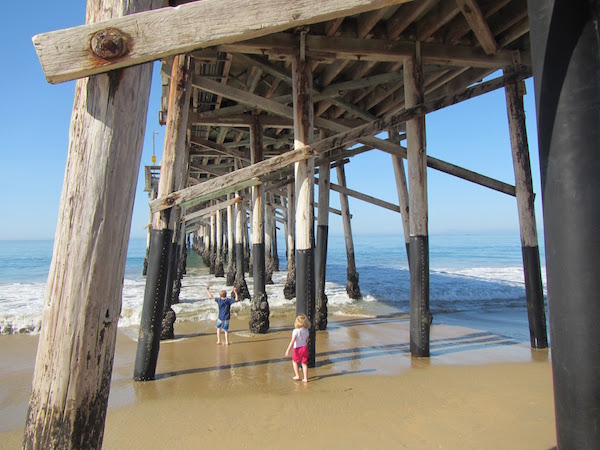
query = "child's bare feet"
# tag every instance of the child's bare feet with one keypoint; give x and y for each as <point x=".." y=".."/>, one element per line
<point x="296" y="378"/>
<point x="305" y="380"/>
<point x="218" y="342"/>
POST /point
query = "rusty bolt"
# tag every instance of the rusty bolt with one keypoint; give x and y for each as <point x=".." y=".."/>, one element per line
<point x="109" y="43"/>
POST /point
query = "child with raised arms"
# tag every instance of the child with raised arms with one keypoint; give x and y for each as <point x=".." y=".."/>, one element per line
<point x="224" y="303"/>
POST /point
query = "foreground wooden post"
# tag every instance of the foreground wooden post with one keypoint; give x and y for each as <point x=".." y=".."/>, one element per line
<point x="566" y="64"/>
<point x="173" y="161"/>
<point x="536" y="311"/>
<point x="269" y="225"/>
<point x="304" y="176"/>
<point x="73" y="368"/>
<point x="259" y="310"/>
<point x="420" y="317"/>
<point x="289" y="289"/>
<point x="402" y="188"/>
<point x="322" y="237"/>
<point x="352" y="287"/>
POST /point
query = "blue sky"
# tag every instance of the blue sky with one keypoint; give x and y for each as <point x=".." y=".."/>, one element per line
<point x="36" y="119"/>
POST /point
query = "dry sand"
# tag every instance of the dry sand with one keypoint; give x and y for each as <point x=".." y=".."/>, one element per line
<point x="477" y="391"/>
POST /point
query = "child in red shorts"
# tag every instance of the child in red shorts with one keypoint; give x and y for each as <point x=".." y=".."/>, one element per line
<point x="300" y="343"/>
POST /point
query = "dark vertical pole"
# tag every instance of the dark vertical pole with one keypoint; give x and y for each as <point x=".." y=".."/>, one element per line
<point x="420" y="317"/>
<point x="259" y="309"/>
<point x="240" y="279"/>
<point x="322" y="236"/>
<point x="173" y="160"/>
<point x="566" y="67"/>
<point x="536" y="311"/>
<point x="304" y="175"/>
<point x="289" y="290"/>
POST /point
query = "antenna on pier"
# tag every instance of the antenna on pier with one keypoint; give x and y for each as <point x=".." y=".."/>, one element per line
<point x="153" y="154"/>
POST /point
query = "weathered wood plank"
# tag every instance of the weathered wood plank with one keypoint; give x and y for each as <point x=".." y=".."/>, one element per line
<point x="148" y="36"/>
<point x="476" y="20"/>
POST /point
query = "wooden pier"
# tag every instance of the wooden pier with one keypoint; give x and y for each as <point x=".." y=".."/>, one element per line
<point x="260" y="101"/>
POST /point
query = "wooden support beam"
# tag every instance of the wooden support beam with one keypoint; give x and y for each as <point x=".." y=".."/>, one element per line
<point x="210" y="210"/>
<point x="147" y="36"/>
<point x="282" y="45"/>
<point x="211" y="145"/>
<point x="476" y="20"/>
<point x="360" y="196"/>
<point x="227" y="183"/>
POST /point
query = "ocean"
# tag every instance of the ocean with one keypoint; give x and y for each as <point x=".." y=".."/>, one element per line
<point x="476" y="280"/>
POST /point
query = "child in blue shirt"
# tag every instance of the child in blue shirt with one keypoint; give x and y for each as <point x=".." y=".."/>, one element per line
<point x="224" y="303"/>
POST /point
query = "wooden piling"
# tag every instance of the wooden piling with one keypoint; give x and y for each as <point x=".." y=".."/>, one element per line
<point x="173" y="160"/>
<point x="269" y="222"/>
<point x="240" y="280"/>
<point x="289" y="289"/>
<point x="219" y="269"/>
<point x="304" y="174"/>
<point x="402" y="189"/>
<point x="322" y="237"/>
<point x="420" y="316"/>
<point x="230" y="274"/>
<point x="352" y="287"/>
<point x="536" y="311"/>
<point x="259" y="310"/>
<point x="68" y="402"/>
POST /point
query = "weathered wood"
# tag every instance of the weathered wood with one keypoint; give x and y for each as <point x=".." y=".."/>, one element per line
<point x="304" y="176"/>
<point x="188" y="218"/>
<point x="218" y="147"/>
<point x="69" y="398"/>
<point x="364" y="197"/>
<point x="289" y="290"/>
<point x="67" y="55"/>
<point x="525" y="205"/>
<point x="322" y="238"/>
<point x="281" y="46"/>
<point x="227" y="183"/>
<point x="481" y="29"/>
<point x="174" y="160"/>
<point x="240" y="281"/>
<point x="420" y="317"/>
<point x="402" y="189"/>
<point x="259" y="308"/>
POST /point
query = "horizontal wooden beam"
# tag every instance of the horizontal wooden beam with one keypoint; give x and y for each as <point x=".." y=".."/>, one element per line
<point x="148" y="36"/>
<point x="284" y="45"/>
<point x="210" y="210"/>
<point x="229" y="183"/>
<point x="360" y="196"/>
<point x="226" y="151"/>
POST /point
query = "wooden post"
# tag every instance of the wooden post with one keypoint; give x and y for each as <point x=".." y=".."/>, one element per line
<point x="68" y="403"/>
<point x="240" y="280"/>
<point x="259" y="310"/>
<point x="173" y="161"/>
<point x="230" y="277"/>
<point x="536" y="311"/>
<point x="275" y="255"/>
<point x="420" y="317"/>
<point x="402" y="188"/>
<point x="219" y="270"/>
<point x="304" y="175"/>
<point x="213" y="243"/>
<point x="269" y="221"/>
<point x="206" y="245"/>
<point x="322" y="237"/>
<point x="289" y="290"/>
<point x="352" y="287"/>
<point x="566" y="64"/>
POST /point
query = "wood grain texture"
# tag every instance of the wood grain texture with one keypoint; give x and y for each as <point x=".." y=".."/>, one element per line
<point x="67" y="54"/>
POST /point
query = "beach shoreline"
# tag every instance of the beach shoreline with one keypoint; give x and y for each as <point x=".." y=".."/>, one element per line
<point x="477" y="390"/>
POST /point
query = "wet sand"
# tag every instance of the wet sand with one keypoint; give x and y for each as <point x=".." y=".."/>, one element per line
<point x="477" y="391"/>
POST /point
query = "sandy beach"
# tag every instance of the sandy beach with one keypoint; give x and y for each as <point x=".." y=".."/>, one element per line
<point x="477" y="391"/>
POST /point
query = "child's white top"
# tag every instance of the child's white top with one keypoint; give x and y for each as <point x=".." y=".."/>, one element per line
<point x="301" y="337"/>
